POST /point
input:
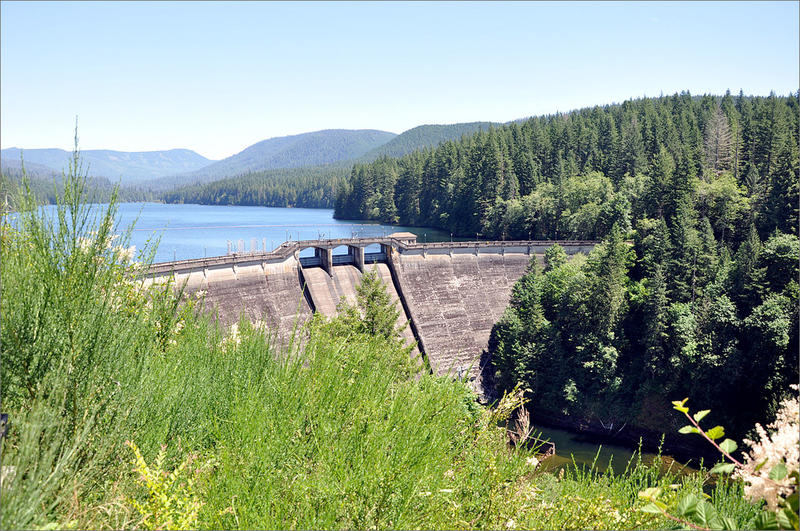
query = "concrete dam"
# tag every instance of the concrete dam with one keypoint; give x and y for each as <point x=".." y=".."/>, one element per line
<point x="450" y="293"/>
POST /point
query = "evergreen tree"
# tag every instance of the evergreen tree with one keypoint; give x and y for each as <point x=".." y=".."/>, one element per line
<point x="652" y="245"/>
<point x="633" y="156"/>
<point x="374" y="312"/>
<point x="783" y="192"/>
<point x="554" y="257"/>
<point x="718" y="141"/>
<point x="655" y="323"/>
<point x="660" y="184"/>
<point x="745" y="275"/>
<point x="707" y="256"/>
<point x="682" y="268"/>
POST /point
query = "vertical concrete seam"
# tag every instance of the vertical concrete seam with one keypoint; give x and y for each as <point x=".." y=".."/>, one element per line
<point x="398" y="287"/>
<point x="304" y="289"/>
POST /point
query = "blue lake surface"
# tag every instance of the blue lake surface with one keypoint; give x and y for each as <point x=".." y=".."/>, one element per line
<point x="195" y="231"/>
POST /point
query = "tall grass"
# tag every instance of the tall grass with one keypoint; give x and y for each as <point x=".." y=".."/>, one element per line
<point x="340" y="431"/>
<point x="71" y="331"/>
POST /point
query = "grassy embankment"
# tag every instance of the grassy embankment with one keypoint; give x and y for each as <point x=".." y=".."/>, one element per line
<point x="337" y="433"/>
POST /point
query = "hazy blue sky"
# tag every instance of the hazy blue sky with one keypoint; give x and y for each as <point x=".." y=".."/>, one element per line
<point x="217" y="77"/>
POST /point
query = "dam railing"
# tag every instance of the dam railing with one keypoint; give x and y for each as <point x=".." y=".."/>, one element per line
<point x="401" y="245"/>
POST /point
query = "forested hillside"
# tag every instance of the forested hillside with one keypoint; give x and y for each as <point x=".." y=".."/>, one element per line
<point x="48" y="185"/>
<point x="307" y="149"/>
<point x="705" y="302"/>
<point x="308" y="187"/>
<point x="560" y="175"/>
<point x="424" y="136"/>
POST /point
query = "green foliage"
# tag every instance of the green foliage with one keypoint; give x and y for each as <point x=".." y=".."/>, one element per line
<point x="599" y="339"/>
<point x="555" y="257"/>
<point x="73" y="325"/>
<point x="374" y="314"/>
<point x="777" y="263"/>
<point x="704" y="307"/>
<point x="724" y="201"/>
<point x="575" y="175"/>
<point x="172" y="501"/>
<point x="337" y="435"/>
<point x="307" y="186"/>
<point x="701" y="514"/>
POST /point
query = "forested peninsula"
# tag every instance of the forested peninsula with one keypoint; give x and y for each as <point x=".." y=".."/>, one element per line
<point x="303" y="183"/>
<point x="305" y="187"/>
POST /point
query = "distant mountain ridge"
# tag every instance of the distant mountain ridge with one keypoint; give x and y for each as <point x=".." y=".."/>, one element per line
<point x="13" y="167"/>
<point x="329" y="151"/>
<point x="47" y="185"/>
<point x="129" y="167"/>
<point x="307" y="149"/>
<point x="425" y="136"/>
<point x="312" y="186"/>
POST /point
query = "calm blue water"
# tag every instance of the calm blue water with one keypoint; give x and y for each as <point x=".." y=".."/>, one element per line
<point x="195" y="231"/>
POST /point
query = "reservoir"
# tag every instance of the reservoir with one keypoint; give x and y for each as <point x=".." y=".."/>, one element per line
<point x="194" y="231"/>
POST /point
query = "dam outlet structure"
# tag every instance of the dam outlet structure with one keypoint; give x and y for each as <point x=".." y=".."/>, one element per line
<point x="450" y="293"/>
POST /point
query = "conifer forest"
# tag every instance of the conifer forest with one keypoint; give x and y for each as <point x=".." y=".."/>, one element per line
<point x="706" y="297"/>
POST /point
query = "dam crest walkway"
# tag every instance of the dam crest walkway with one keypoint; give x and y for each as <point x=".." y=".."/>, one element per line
<point x="401" y="245"/>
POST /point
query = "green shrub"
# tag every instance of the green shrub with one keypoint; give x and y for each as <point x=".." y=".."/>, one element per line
<point x="172" y="501"/>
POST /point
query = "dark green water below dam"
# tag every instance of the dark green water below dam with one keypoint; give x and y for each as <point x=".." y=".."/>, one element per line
<point x="586" y="450"/>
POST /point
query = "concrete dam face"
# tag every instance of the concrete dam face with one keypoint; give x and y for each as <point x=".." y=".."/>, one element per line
<point x="455" y="299"/>
<point x="327" y="290"/>
<point x="266" y="291"/>
<point x="451" y="294"/>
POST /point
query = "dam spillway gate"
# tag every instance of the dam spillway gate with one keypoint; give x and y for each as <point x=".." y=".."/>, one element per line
<point x="451" y="293"/>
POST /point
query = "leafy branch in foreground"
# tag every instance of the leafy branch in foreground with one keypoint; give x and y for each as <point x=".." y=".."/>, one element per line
<point x="770" y="472"/>
<point x="172" y="502"/>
